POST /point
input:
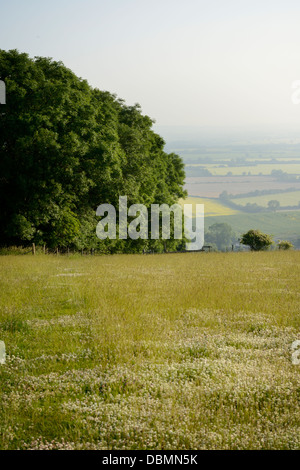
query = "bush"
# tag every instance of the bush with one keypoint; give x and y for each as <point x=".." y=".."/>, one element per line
<point x="285" y="245"/>
<point x="256" y="240"/>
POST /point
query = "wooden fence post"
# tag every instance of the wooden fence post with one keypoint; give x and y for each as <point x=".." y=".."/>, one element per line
<point x="33" y="248"/>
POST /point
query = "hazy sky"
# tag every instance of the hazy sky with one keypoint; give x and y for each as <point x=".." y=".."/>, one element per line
<point x="188" y="62"/>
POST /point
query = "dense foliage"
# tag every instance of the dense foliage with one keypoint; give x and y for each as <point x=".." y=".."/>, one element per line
<point x="256" y="240"/>
<point x="220" y="236"/>
<point x="66" y="148"/>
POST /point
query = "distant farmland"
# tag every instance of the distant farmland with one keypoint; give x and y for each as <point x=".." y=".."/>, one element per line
<point x="213" y="186"/>
<point x="180" y="351"/>
<point x="263" y="169"/>
<point x="251" y="152"/>
<point x="285" y="199"/>
<point x="211" y="206"/>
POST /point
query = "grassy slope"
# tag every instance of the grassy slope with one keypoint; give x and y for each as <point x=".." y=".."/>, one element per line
<point x="265" y="169"/>
<point x="184" y="351"/>
<point x="283" y="225"/>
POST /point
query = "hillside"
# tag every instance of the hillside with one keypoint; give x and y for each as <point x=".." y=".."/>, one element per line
<point x="282" y="225"/>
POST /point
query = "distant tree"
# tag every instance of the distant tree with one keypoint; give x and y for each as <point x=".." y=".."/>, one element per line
<point x="256" y="240"/>
<point x="220" y="235"/>
<point x="277" y="174"/>
<point x="252" y="207"/>
<point x="273" y="205"/>
<point x="224" y="196"/>
<point x="285" y="245"/>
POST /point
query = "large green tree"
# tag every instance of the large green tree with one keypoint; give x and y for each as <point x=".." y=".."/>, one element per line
<point x="66" y="148"/>
<point x="256" y="240"/>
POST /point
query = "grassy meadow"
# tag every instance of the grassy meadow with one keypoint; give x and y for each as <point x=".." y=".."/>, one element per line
<point x="281" y="225"/>
<point x="178" y="351"/>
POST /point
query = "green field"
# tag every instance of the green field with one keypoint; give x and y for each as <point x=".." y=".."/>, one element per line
<point x="283" y="225"/>
<point x="179" y="351"/>
<point x="291" y="198"/>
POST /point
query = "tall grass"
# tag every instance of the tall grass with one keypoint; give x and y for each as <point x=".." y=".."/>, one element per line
<point x="179" y="351"/>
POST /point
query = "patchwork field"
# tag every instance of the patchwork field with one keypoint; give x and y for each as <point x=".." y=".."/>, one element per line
<point x="286" y="199"/>
<point x="260" y="169"/>
<point x="179" y="351"/>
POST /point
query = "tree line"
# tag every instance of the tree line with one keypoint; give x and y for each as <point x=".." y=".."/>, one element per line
<point x="66" y="148"/>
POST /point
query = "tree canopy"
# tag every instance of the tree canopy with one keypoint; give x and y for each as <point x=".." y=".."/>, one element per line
<point x="220" y="235"/>
<point x="66" y="148"/>
<point x="273" y="205"/>
<point x="256" y="240"/>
